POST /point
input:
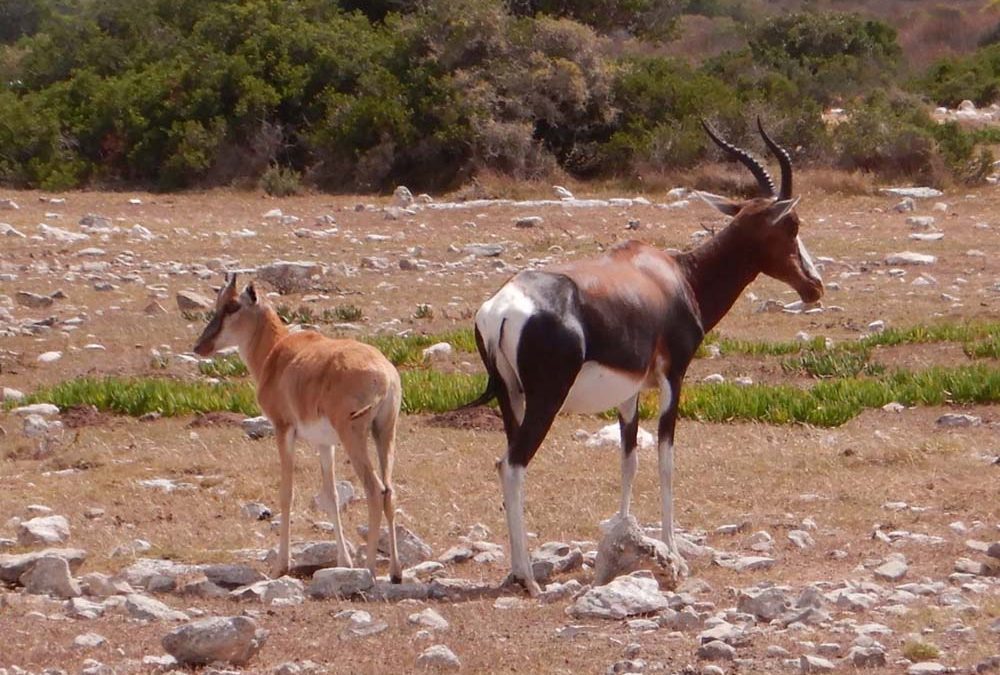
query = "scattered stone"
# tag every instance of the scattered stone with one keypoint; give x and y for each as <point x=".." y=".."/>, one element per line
<point x="462" y="590"/>
<point x="285" y="591"/>
<point x="766" y="604"/>
<point x="44" y="530"/>
<point x="625" y="596"/>
<point x="910" y="258"/>
<point x="89" y="641"/>
<point x="905" y="205"/>
<point x="14" y="395"/>
<point x="256" y="511"/>
<point x="33" y="300"/>
<point x="289" y="276"/>
<point x="553" y="558"/>
<point x="893" y="569"/>
<point x="257" y="427"/>
<point x="958" y="420"/>
<point x="528" y="221"/>
<point x="49" y="357"/>
<point x="412" y="549"/>
<point x="44" y="409"/>
<point x="13" y="566"/>
<point x="920" y="222"/>
<point x="145" y="608"/>
<point x="98" y="585"/>
<point x="438" y="657"/>
<point x="744" y="563"/>
<point x="438" y="350"/>
<point x="716" y="650"/>
<point x="402" y="197"/>
<point x="626" y="548"/>
<point x="914" y="192"/>
<point x="189" y="301"/>
<point x="483" y="250"/>
<point x="428" y="618"/>
<point x="867" y="657"/>
<point x="361" y="624"/>
<point x="234" y="640"/>
<point x="340" y="582"/>
<point x="801" y="539"/>
<point x="309" y="556"/>
<point x="814" y="664"/>
<point x="926" y="668"/>
<point x="50" y="575"/>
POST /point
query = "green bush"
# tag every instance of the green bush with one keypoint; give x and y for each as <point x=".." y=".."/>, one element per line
<point x="280" y="181"/>
<point x="952" y="80"/>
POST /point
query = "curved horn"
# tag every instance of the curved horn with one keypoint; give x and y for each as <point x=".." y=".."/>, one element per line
<point x="764" y="181"/>
<point x="783" y="159"/>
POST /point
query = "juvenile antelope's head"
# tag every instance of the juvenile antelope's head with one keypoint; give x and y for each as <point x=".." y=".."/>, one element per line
<point x="768" y="226"/>
<point x="235" y="316"/>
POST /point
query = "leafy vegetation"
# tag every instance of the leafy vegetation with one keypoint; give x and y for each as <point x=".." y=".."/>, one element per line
<point x="827" y="404"/>
<point x="285" y="94"/>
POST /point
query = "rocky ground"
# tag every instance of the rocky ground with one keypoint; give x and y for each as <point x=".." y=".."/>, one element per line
<point x="139" y="546"/>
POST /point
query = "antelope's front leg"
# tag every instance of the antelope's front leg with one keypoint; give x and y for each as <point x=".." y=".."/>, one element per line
<point x="286" y="455"/>
<point x="628" y="424"/>
<point x="665" y="452"/>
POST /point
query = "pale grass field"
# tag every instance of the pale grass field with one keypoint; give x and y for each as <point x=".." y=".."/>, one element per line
<point x="767" y="476"/>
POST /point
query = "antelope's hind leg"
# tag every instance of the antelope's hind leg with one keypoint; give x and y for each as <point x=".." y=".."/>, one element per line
<point x="328" y="499"/>
<point x="286" y="455"/>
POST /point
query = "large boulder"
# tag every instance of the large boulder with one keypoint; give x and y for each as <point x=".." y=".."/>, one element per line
<point x="340" y="582"/>
<point x="232" y="639"/>
<point x="626" y="548"/>
<point x="50" y="575"/>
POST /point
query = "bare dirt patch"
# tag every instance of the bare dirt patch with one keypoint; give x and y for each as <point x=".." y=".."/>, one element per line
<point x="480" y="418"/>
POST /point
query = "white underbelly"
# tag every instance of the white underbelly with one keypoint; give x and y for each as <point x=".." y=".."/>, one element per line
<point x="317" y="432"/>
<point x="598" y="388"/>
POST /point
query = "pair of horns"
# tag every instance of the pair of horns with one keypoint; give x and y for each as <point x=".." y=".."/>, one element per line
<point x="764" y="180"/>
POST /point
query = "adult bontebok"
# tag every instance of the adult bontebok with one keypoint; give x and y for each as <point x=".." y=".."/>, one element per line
<point x="322" y="391"/>
<point x="591" y="335"/>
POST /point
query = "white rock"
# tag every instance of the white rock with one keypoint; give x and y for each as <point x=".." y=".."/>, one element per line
<point x="284" y="591"/>
<point x="562" y="192"/>
<point x="958" y="420"/>
<point x="402" y="197"/>
<point x="625" y="596"/>
<point x="910" y="258"/>
<point x="920" y="222"/>
<point x="610" y="437"/>
<point x="145" y="608"/>
<point x="893" y="569"/>
<point x="438" y="657"/>
<point x="234" y="640"/>
<point x="49" y="357"/>
<point x="801" y="538"/>
<point x="290" y="276"/>
<point x="16" y="396"/>
<point x="766" y="604"/>
<point x="915" y="192"/>
<point x="438" y="350"/>
<point x="926" y="668"/>
<point x="44" y="530"/>
<point x="89" y="641"/>
<point x="43" y="409"/>
<point x="428" y="618"/>
<point x="814" y="664"/>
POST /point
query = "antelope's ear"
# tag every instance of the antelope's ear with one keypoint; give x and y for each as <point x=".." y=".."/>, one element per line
<point x="249" y="296"/>
<point x="721" y="204"/>
<point x="781" y="208"/>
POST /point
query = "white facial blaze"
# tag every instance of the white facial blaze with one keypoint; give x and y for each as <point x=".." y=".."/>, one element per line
<point x="807" y="262"/>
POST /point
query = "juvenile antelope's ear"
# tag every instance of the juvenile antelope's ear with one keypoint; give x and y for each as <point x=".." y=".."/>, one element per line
<point x="781" y="208"/>
<point x="249" y="296"/>
<point x="722" y="204"/>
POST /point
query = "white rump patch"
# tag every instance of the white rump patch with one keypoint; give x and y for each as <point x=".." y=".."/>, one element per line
<point x="598" y="388"/>
<point x="318" y="432"/>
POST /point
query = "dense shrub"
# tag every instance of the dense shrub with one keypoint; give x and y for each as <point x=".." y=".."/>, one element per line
<point x="952" y="80"/>
<point x="353" y="95"/>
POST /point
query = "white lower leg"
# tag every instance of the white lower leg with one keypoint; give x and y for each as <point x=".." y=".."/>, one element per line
<point x="328" y="500"/>
<point x="630" y="464"/>
<point x="666" y="461"/>
<point x="512" y="478"/>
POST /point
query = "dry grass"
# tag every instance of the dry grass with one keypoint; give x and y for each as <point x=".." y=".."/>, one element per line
<point x="771" y="477"/>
